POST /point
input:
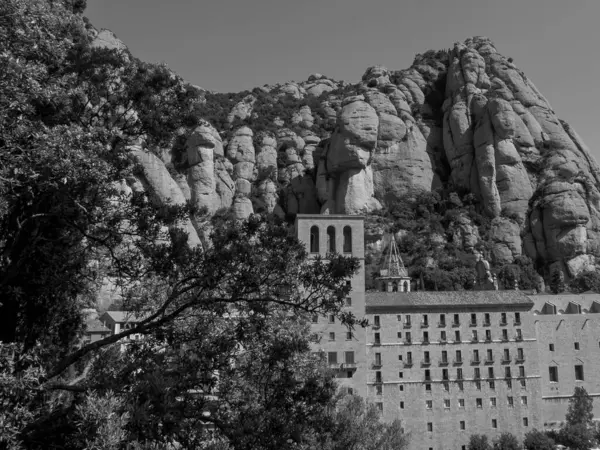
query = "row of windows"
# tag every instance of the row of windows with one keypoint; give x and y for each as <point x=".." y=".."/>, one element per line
<point x="461" y="387"/>
<point x="575" y="346"/>
<point x="331" y="244"/>
<point x="455" y="320"/>
<point x="493" y="403"/>
<point x="458" y="357"/>
<point x="427" y="376"/>
<point x="457" y="336"/>
<point x="553" y="373"/>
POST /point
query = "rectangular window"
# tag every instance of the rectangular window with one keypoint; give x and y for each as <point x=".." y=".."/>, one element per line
<point x="517" y="318"/>
<point x="519" y="336"/>
<point x="377" y="359"/>
<point x="378" y="389"/>
<point x="446" y="386"/>
<point x="492" y="402"/>
<point x="349" y="357"/>
<point x="576" y="345"/>
<point x="425" y="320"/>
<point x="399" y="357"/>
<point x="488" y="335"/>
<point x="332" y="336"/>
<point x="507" y="373"/>
<point x="425" y="336"/>
<point x="407" y="321"/>
<point x="446" y="403"/>
<point x="444" y="374"/>
<point x="426" y="359"/>
<point x="401" y="388"/>
<point x="474" y="335"/>
<point x="430" y="426"/>
<point x="408" y="337"/>
<point x="476" y="373"/>
<point x="444" y="357"/>
<point x="551" y="347"/>
<point x="486" y="320"/>
<point x="476" y="356"/>
<point x="462" y="425"/>
<point x="494" y="423"/>
<point x="473" y="320"/>
<point x="399" y="335"/>
<point x="427" y="375"/>
<point x="442" y="320"/>
<point x="400" y="374"/>
<point x="409" y="357"/>
<point x="331" y="318"/>
<point x="348" y="335"/>
<point x="457" y="336"/>
<point x="579" y="372"/>
<point x="428" y="387"/>
<point x="478" y="385"/>
<point x="377" y="338"/>
<point x="490" y="355"/>
<point x="508" y="384"/>
<point x="525" y="422"/>
<point x="461" y="402"/>
<point x="458" y="356"/>
<point x="506" y="355"/>
<point x="376" y="321"/>
<point x="503" y="319"/>
<point x="379" y="406"/>
<point x="553" y="372"/>
<point x="492" y="385"/>
<point x="348" y="301"/>
<point x="461" y="386"/>
<point x="479" y="403"/>
<point x="332" y="357"/>
<point x="378" y="378"/>
<point x="456" y="320"/>
<point x="522" y="371"/>
<point x="490" y="372"/>
<point x="523" y="383"/>
<point x="401" y="405"/>
<point x="429" y="404"/>
<point x="443" y="336"/>
<point x="510" y="401"/>
<point x="399" y="318"/>
<point x="459" y="374"/>
<point x="524" y="400"/>
<point x="505" y="335"/>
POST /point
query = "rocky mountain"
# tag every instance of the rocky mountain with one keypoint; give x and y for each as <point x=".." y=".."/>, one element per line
<point x="463" y="122"/>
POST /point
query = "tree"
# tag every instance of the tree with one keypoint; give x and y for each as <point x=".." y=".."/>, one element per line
<point x="576" y="436"/>
<point x="507" y="441"/>
<point x="557" y="281"/>
<point x="586" y="281"/>
<point x="537" y="440"/>
<point x="479" y="442"/>
<point x="581" y="408"/>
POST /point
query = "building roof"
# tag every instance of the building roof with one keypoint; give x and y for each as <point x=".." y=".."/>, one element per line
<point x="122" y="316"/>
<point x="95" y="326"/>
<point x="562" y="302"/>
<point x="396" y="301"/>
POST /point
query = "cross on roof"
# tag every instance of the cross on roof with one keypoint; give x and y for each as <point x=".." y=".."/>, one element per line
<point x="395" y="266"/>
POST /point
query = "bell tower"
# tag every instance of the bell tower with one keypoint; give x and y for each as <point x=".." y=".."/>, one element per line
<point x="393" y="276"/>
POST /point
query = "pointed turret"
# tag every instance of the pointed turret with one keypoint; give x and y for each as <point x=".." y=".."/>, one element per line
<point x="393" y="276"/>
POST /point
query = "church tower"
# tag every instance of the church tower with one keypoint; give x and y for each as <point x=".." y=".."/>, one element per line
<point x="393" y="276"/>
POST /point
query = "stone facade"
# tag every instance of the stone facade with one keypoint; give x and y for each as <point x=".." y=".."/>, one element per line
<point x="453" y="364"/>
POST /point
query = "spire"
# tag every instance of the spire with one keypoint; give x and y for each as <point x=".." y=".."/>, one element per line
<point x="395" y="266"/>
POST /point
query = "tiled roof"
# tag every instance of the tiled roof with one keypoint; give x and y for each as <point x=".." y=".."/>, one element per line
<point x="122" y="316"/>
<point x="378" y="301"/>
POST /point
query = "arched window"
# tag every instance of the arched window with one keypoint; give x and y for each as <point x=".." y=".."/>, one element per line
<point x="314" y="239"/>
<point x="331" y="239"/>
<point x="347" y="239"/>
<point x="394" y="287"/>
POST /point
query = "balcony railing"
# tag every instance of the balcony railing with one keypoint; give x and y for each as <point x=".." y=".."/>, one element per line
<point x="442" y="324"/>
<point x="407" y="341"/>
<point x="376" y="364"/>
<point x="520" y="359"/>
<point x="458" y="361"/>
<point x="475" y="361"/>
<point x="424" y="324"/>
<point x="425" y="341"/>
<point x="503" y="323"/>
<point x="408" y="363"/>
<point x="473" y="323"/>
<point x="489" y="360"/>
<point x="459" y="376"/>
<point x="505" y="359"/>
<point x="455" y="324"/>
<point x="504" y="338"/>
<point x="488" y="339"/>
<point x="444" y="362"/>
<point x="407" y="325"/>
<point x="487" y="323"/>
<point x="517" y="323"/>
<point x="519" y="337"/>
<point x="474" y="339"/>
<point x="349" y="366"/>
<point x="443" y="340"/>
<point x="334" y="365"/>
<point x="426" y="362"/>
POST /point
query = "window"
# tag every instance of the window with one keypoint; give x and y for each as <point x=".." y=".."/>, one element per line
<point x="505" y="335"/>
<point x="488" y="335"/>
<point x="378" y="378"/>
<point x="494" y="423"/>
<point x="347" y="239"/>
<point x="524" y="400"/>
<point x="444" y="357"/>
<point x="444" y="374"/>
<point x="456" y="320"/>
<point x="473" y="320"/>
<point x="461" y="386"/>
<point x="332" y="336"/>
<point x="331" y="318"/>
<point x="478" y="385"/>
<point x="553" y="372"/>
<point x="378" y="389"/>
<point x="446" y="386"/>
<point x="503" y="319"/>
<point x="426" y="359"/>
<point x="517" y="318"/>
<point x="314" y="239"/>
<point x="401" y="388"/>
<point x="425" y="336"/>
<point x="348" y="335"/>
<point x="506" y="355"/>
<point x="474" y="335"/>
<point x="462" y="425"/>
<point x="442" y="320"/>
<point x="332" y="357"/>
<point x="430" y="426"/>
<point x="477" y="373"/>
<point x="407" y="337"/>
<point x="348" y="301"/>
<point x="399" y="317"/>
<point x="428" y="387"/>
<point x="457" y="336"/>
<point x="479" y="403"/>
<point x="315" y="318"/>
<point x="331" y="239"/>
<point x="490" y="372"/>
<point x="425" y="320"/>
<point x="399" y="335"/>
<point x="461" y="402"/>
<point x="429" y="404"/>
<point x="492" y="385"/>
<point x="579" y="372"/>
<point x="522" y="371"/>
<point x="409" y="357"/>
<point x="443" y="336"/>
<point x="507" y="373"/>
<point x="551" y="347"/>
<point x="399" y="357"/>
<point x="401" y="405"/>
<point x="377" y="359"/>
<point x="377" y="338"/>
<point x="493" y="402"/>
<point x="408" y="321"/>
<point x="510" y="401"/>
<point x="446" y="403"/>
<point x="459" y="374"/>
<point x="490" y="355"/>
<point x="523" y="383"/>
<point x="349" y="374"/>
<point x="379" y="406"/>
<point x="525" y="422"/>
<point x="520" y="355"/>
<point x="576" y="345"/>
<point x="486" y="320"/>
<point x="400" y="374"/>
<point x="519" y="336"/>
<point x="427" y="375"/>
<point x="476" y="356"/>
<point x="376" y="321"/>
<point x="349" y="357"/>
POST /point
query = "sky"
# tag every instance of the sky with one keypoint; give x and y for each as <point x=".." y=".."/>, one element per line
<point x="233" y="45"/>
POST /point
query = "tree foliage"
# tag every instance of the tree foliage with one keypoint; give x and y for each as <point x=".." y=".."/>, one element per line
<point x="581" y="408"/>
<point x="586" y="281"/>
<point x="537" y="440"/>
<point x="506" y="441"/>
<point x="479" y="442"/>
